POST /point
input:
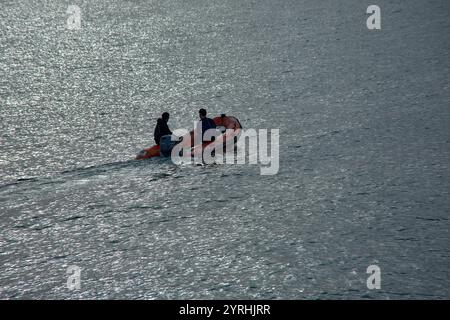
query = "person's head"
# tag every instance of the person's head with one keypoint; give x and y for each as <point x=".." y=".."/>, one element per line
<point x="202" y="113"/>
<point x="165" y="116"/>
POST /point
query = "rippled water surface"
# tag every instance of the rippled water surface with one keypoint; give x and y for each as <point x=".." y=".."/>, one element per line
<point x="364" y="150"/>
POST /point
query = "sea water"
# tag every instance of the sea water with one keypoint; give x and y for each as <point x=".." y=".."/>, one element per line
<point x="364" y="149"/>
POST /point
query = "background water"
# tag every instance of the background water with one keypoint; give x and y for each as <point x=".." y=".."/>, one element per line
<point x="364" y="155"/>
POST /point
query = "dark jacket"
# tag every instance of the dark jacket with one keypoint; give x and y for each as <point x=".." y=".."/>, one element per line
<point x="161" y="129"/>
<point x="206" y="124"/>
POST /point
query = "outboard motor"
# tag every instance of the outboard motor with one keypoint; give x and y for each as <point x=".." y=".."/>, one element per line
<point x="166" y="145"/>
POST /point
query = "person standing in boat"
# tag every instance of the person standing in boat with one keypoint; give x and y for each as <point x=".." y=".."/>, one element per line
<point x="205" y="122"/>
<point x="161" y="128"/>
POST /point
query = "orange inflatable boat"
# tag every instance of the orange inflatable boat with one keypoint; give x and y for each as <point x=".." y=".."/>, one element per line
<point x="230" y="127"/>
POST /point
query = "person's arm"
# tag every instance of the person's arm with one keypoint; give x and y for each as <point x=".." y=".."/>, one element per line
<point x="166" y="129"/>
<point x="156" y="134"/>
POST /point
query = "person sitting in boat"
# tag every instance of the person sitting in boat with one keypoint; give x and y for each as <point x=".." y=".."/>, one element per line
<point x="205" y="122"/>
<point x="161" y="128"/>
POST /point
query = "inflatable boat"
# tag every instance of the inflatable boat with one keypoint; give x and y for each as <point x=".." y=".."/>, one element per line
<point x="166" y="144"/>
